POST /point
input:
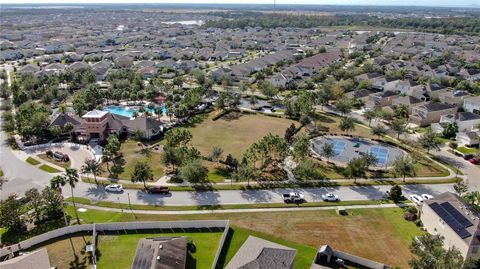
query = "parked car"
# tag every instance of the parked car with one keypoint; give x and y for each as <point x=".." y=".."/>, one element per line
<point x="330" y="197"/>
<point x="417" y="199"/>
<point x="114" y="188"/>
<point x="426" y="196"/>
<point x="159" y="190"/>
<point x="474" y="161"/>
<point x="293" y="197"/>
<point x="468" y="156"/>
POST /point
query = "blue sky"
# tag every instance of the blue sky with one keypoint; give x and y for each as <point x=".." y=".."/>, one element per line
<point x="464" y="3"/>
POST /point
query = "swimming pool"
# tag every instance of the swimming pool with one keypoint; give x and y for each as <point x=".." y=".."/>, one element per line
<point x="128" y="111"/>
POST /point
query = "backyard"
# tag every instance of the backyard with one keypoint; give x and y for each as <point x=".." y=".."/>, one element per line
<point x="69" y="253"/>
<point x="379" y="234"/>
<point x="235" y="132"/>
<point x="118" y="251"/>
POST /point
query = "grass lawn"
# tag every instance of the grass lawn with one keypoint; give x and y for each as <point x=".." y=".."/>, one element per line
<point x="379" y="234"/>
<point x="69" y="253"/>
<point x="235" y="132"/>
<point x="131" y="154"/>
<point x="1" y="173"/>
<point x="466" y="150"/>
<point x="118" y="251"/>
<point x="32" y="161"/>
<point x="44" y="156"/>
<point x="328" y="121"/>
<point x="49" y="169"/>
<point x="216" y="172"/>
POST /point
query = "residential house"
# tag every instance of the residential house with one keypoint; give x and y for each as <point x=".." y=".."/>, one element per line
<point x="472" y="104"/>
<point x="28" y="69"/>
<point x="466" y="121"/>
<point x="409" y="101"/>
<point x="37" y="259"/>
<point x="218" y="74"/>
<point x="431" y="113"/>
<point x="380" y="99"/>
<point x="123" y="61"/>
<point x="469" y="139"/>
<point x="434" y="90"/>
<point x="453" y="97"/>
<point x="101" y="69"/>
<point x="470" y="74"/>
<point x="161" y="252"/>
<point x="448" y="215"/>
<point x="377" y="81"/>
<point x="279" y="80"/>
<point x="259" y="253"/>
<point x="362" y="94"/>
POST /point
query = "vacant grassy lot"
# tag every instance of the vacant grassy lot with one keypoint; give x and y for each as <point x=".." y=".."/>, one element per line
<point x="131" y="154"/>
<point x="379" y="234"/>
<point x="235" y="132"/>
<point x="118" y="251"/>
<point x="329" y="123"/>
<point x="49" y="169"/>
<point x="69" y="253"/>
<point x="44" y="156"/>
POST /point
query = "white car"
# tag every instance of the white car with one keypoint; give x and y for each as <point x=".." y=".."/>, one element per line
<point x="114" y="188"/>
<point x="426" y="196"/>
<point x="417" y="199"/>
<point x="330" y="197"/>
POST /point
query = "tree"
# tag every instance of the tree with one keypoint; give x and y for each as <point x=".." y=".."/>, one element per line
<point x="113" y="145"/>
<point x="308" y="170"/>
<point x="404" y="166"/>
<point x="450" y="130"/>
<point x="35" y="200"/>
<point x="231" y="162"/>
<point x="56" y="131"/>
<point x="369" y="115"/>
<point x="244" y="172"/>
<point x="216" y="154"/>
<point x="323" y="96"/>
<point x="347" y="124"/>
<point x="267" y="89"/>
<point x="327" y="151"/>
<point x="142" y="172"/>
<point x="71" y="177"/>
<point x="301" y="147"/>
<point x="53" y="202"/>
<point x="429" y="140"/>
<point x="396" y="193"/>
<point x="171" y="157"/>
<point x="429" y="252"/>
<point x="473" y="198"/>
<point x="177" y="137"/>
<point x="10" y="214"/>
<point x="289" y="133"/>
<point x="57" y="182"/>
<point x="344" y="106"/>
<point x="194" y="172"/>
<point x="399" y="126"/>
<point x="460" y="187"/>
<point x="401" y="111"/>
<point x="91" y="166"/>
<point x="379" y="131"/>
<point x="356" y="168"/>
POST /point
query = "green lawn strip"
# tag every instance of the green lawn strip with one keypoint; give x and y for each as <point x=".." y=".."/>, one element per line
<point x="32" y="161"/>
<point x="86" y="201"/>
<point x="404" y="229"/>
<point x="466" y="150"/>
<point x="454" y="169"/>
<point x="51" y="160"/>
<point x="1" y="173"/>
<point x="49" y="169"/>
<point x="238" y="236"/>
<point x="118" y="251"/>
<point x="305" y="184"/>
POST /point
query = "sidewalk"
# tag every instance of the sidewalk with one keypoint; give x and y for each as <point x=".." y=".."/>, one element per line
<point x="219" y="211"/>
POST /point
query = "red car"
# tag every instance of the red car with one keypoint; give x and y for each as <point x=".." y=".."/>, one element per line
<point x="160" y="190"/>
<point x="474" y="161"/>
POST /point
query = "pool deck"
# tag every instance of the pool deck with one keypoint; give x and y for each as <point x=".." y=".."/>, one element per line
<point x="348" y="148"/>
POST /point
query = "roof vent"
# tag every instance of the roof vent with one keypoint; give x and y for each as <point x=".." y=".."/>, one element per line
<point x="160" y="246"/>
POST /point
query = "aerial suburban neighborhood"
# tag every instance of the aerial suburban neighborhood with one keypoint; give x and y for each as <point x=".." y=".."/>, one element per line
<point x="252" y="136"/>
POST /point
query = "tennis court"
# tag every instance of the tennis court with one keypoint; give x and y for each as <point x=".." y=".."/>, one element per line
<point x="380" y="153"/>
<point x="338" y="146"/>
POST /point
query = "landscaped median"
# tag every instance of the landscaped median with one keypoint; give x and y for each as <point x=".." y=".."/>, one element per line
<point x="85" y="201"/>
<point x="279" y="185"/>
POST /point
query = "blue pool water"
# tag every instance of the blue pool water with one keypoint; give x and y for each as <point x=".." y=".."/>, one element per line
<point x="128" y="111"/>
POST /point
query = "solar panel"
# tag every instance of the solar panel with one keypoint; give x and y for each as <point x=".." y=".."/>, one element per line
<point x="456" y="214"/>
<point x="453" y="218"/>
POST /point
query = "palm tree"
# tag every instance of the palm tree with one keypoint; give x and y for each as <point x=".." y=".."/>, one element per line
<point x="71" y="177"/>
<point x="404" y="166"/>
<point x="91" y="166"/>
<point x="57" y="182"/>
<point x="370" y="115"/>
<point x="473" y="198"/>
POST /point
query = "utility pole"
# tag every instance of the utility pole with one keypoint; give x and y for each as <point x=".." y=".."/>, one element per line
<point x="274" y="6"/>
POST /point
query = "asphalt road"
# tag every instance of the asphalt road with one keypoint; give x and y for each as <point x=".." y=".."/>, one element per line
<point x="98" y="193"/>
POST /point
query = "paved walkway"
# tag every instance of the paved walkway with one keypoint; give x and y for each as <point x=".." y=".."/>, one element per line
<point x="220" y="211"/>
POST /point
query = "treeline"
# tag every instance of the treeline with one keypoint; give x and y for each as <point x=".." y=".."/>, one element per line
<point x="453" y="25"/>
